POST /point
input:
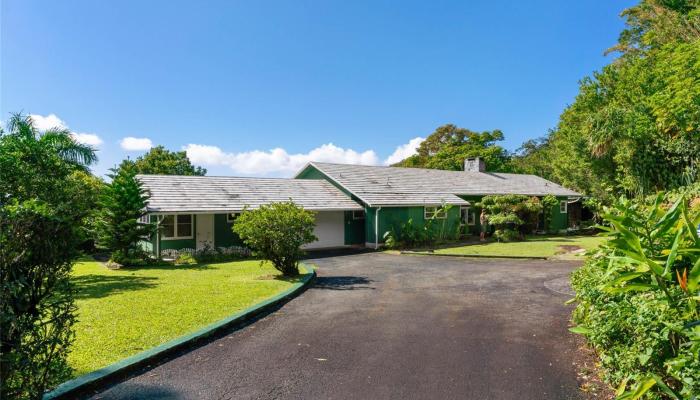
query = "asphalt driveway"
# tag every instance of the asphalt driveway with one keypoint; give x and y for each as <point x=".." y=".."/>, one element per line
<point x="380" y="326"/>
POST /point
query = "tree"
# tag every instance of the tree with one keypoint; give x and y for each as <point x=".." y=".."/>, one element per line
<point x="276" y="233"/>
<point x="633" y="128"/>
<point x="449" y="146"/>
<point x="161" y="161"/>
<point x="40" y="231"/>
<point x="513" y="215"/>
<point x="123" y="205"/>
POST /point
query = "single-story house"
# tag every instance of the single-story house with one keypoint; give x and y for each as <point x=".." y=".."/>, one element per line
<point x="354" y="204"/>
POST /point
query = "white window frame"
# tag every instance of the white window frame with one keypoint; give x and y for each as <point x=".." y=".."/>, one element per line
<point x="355" y="213"/>
<point x="471" y="216"/>
<point x="434" y="212"/>
<point x="229" y="219"/>
<point x="564" y="209"/>
<point x="175" y="221"/>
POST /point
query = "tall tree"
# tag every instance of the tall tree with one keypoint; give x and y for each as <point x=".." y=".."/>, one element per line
<point x="449" y="145"/>
<point x="634" y="126"/>
<point x="123" y="204"/>
<point x="162" y="161"/>
<point x="40" y="231"/>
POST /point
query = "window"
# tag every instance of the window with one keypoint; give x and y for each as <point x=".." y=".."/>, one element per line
<point x="434" y="212"/>
<point x="176" y="226"/>
<point x="230" y="217"/>
<point x="144" y="219"/>
<point x="358" y="214"/>
<point x="563" y="206"/>
<point x="468" y="216"/>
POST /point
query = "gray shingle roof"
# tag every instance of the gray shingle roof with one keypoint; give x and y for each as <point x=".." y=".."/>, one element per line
<point x="396" y="186"/>
<point x="175" y="193"/>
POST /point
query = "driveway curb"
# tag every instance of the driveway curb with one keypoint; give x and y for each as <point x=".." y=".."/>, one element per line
<point x="427" y="253"/>
<point x="93" y="380"/>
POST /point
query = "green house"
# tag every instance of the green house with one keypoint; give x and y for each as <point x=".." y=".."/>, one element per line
<point x="355" y="205"/>
<point x="391" y="196"/>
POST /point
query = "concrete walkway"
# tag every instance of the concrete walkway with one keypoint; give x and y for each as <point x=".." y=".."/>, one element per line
<point x="380" y="326"/>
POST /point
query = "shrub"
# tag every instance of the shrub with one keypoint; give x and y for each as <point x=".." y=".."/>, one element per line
<point x="512" y="215"/>
<point x="185" y="259"/>
<point x="638" y="299"/>
<point x="276" y="233"/>
<point x="120" y="227"/>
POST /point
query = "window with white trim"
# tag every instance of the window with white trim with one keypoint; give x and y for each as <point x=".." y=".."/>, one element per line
<point x="177" y="226"/>
<point x="563" y="206"/>
<point x="358" y="214"/>
<point x="468" y="216"/>
<point x="434" y="212"/>
<point x="230" y="217"/>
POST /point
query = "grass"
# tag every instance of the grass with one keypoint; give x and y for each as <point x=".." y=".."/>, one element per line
<point x="534" y="246"/>
<point x="123" y="312"/>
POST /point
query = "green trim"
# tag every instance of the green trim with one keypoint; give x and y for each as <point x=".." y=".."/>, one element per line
<point x="93" y="380"/>
<point x="428" y="253"/>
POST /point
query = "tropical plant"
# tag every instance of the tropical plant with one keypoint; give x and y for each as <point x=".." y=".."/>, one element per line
<point x="512" y="215"/>
<point x="121" y="226"/>
<point x="276" y="232"/>
<point x="40" y="231"/>
<point x="638" y="299"/>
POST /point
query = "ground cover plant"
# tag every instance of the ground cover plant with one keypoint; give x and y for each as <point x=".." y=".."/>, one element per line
<point x="533" y="246"/>
<point x="638" y="299"/>
<point x="126" y="311"/>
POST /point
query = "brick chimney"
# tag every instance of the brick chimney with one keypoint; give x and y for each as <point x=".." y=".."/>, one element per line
<point x="474" y="164"/>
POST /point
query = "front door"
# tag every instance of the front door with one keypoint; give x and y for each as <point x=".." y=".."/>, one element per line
<point x="205" y="231"/>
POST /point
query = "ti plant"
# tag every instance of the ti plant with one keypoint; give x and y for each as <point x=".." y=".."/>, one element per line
<point x="657" y="248"/>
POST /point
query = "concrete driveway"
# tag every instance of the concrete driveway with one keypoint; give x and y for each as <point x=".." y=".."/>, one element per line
<point x="380" y="326"/>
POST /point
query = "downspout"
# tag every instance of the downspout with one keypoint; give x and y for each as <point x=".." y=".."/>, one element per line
<point x="376" y="228"/>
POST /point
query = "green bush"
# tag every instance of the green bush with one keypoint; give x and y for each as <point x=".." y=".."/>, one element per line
<point x="638" y="299"/>
<point x="185" y="259"/>
<point x="276" y="233"/>
<point x="513" y="215"/>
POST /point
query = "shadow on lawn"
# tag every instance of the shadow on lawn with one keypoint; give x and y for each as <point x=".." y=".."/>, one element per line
<point x="342" y="283"/>
<point x="97" y="286"/>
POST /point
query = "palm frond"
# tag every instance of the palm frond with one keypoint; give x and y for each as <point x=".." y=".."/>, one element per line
<point x="68" y="148"/>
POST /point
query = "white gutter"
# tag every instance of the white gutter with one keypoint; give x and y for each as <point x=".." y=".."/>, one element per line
<point x="376" y="228"/>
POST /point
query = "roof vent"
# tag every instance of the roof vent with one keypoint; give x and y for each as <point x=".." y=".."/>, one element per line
<point x="474" y="164"/>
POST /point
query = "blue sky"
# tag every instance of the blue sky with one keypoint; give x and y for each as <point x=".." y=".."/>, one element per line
<point x="259" y="88"/>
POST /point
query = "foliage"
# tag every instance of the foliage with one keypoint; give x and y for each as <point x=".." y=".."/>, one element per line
<point x="449" y="146"/>
<point x="434" y="230"/>
<point x="514" y="216"/>
<point x="634" y="125"/>
<point x="162" y="161"/>
<point x="185" y="259"/>
<point x="40" y="231"/>
<point x="276" y="233"/>
<point x="638" y="298"/>
<point x="120" y="227"/>
<point x="549" y="207"/>
<point x="124" y="312"/>
<point x="87" y="189"/>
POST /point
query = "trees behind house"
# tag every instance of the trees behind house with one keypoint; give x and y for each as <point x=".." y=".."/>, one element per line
<point x="276" y="233"/>
<point x="449" y="146"/>
<point x="120" y="224"/>
<point x="40" y="231"/>
<point x="160" y="160"/>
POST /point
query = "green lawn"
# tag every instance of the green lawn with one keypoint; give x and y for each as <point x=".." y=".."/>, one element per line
<point x="534" y="246"/>
<point x="123" y="312"/>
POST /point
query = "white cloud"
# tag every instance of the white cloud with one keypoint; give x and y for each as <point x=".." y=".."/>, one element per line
<point x="403" y="151"/>
<point x="89" y="139"/>
<point x="135" y="144"/>
<point x="44" y="123"/>
<point x="276" y="161"/>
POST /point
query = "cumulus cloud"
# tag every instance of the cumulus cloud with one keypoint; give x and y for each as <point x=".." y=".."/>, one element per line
<point x="43" y="123"/>
<point x="403" y="151"/>
<point x="276" y="161"/>
<point x="131" y="143"/>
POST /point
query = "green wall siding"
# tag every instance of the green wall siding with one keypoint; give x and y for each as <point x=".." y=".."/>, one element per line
<point x="223" y="232"/>
<point x="394" y="217"/>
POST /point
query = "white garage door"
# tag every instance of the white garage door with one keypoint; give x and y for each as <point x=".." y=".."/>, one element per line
<point x="329" y="230"/>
